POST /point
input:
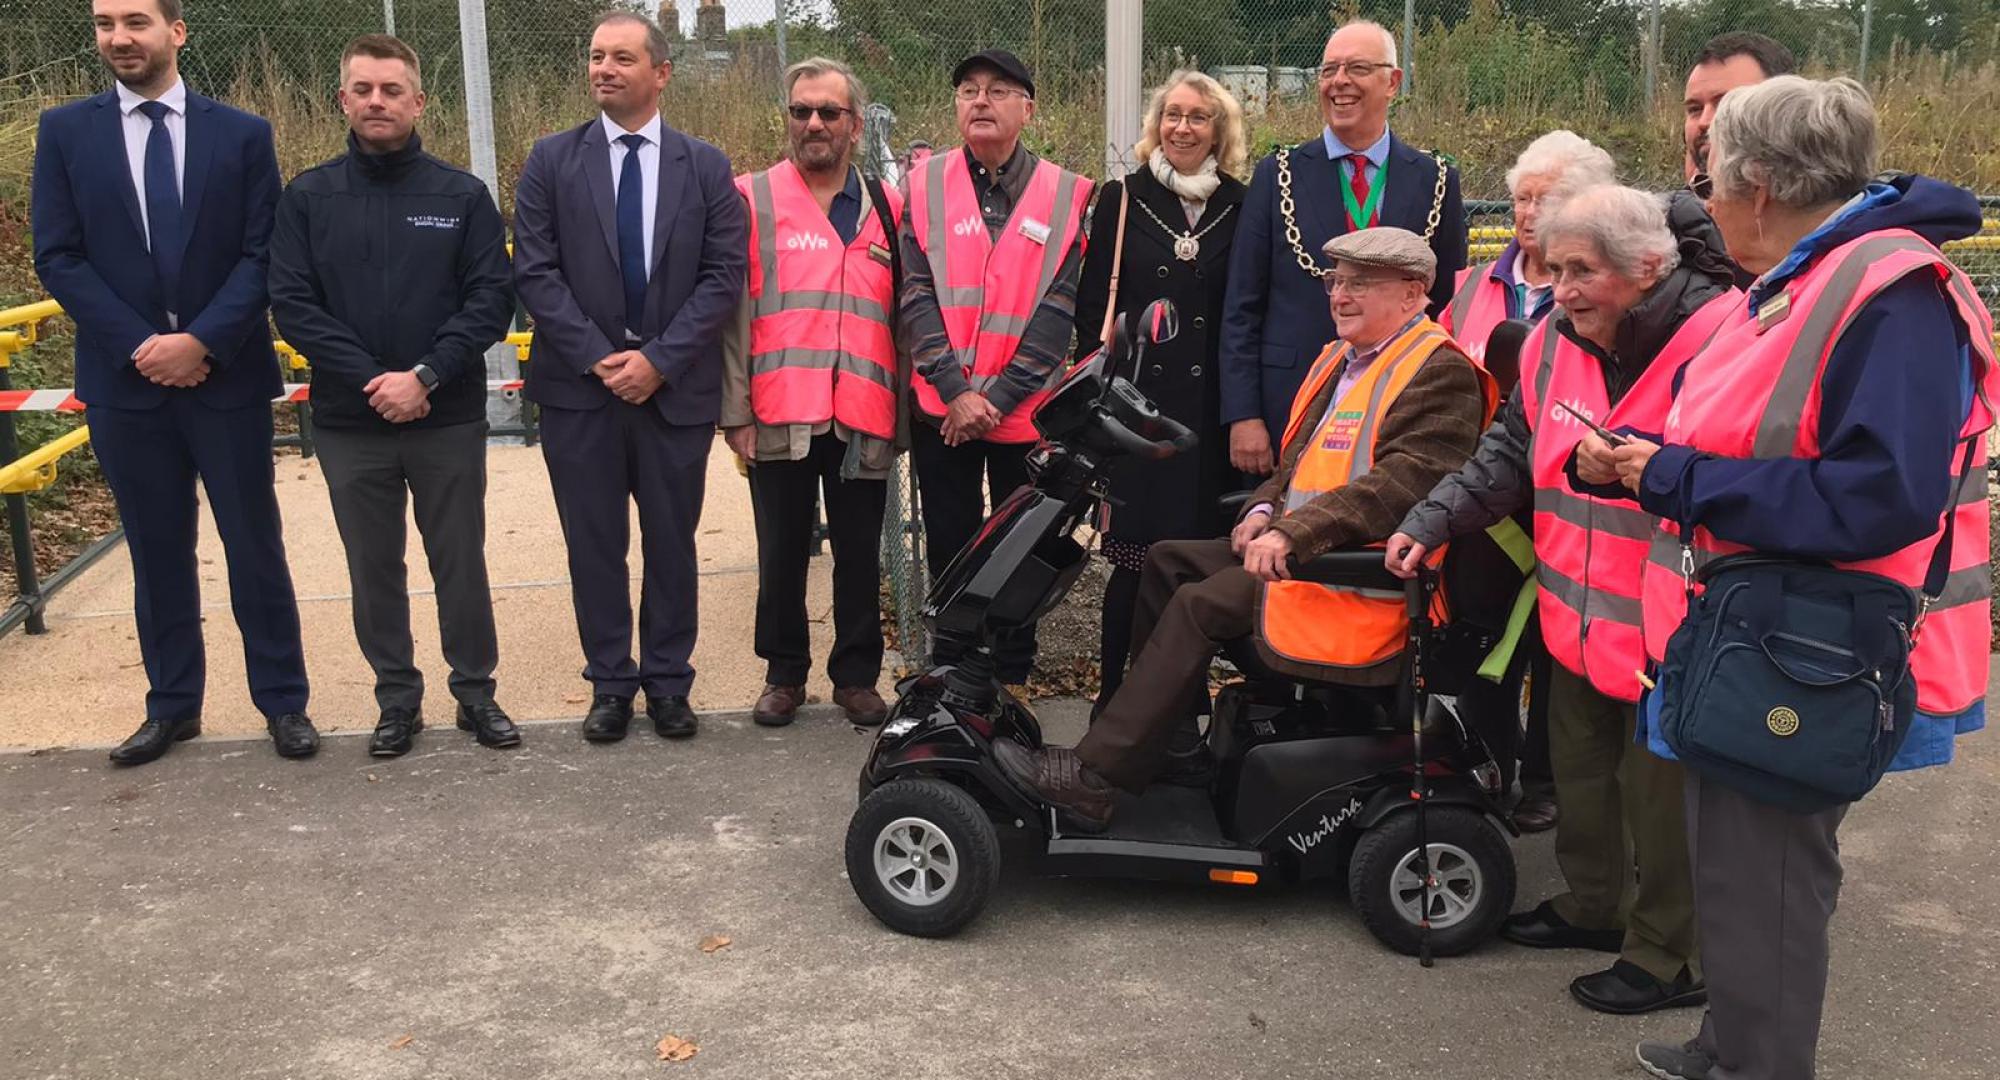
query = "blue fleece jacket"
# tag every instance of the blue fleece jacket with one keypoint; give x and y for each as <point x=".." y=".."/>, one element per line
<point x="1894" y="394"/>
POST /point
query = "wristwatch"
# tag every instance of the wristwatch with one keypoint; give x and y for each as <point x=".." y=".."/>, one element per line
<point x="426" y="376"/>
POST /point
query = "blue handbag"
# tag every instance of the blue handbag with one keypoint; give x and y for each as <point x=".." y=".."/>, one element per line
<point x="1789" y="680"/>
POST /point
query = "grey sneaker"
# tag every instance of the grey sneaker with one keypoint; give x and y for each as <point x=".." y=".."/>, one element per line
<point x="1670" y="1062"/>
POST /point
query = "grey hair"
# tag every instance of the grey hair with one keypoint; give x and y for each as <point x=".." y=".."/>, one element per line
<point x="1627" y="226"/>
<point x="1812" y="142"/>
<point x="1388" y="38"/>
<point x="812" y="67"/>
<point x="658" y="48"/>
<point x="1575" y="161"/>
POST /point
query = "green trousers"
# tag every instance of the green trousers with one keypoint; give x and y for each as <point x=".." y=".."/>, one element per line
<point x="1622" y="839"/>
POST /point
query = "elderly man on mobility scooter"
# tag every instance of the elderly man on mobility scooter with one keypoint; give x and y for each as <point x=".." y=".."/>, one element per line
<point x="1387" y="411"/>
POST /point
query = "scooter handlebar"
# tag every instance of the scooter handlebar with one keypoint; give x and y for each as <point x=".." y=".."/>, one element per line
<point x="1175" y="437"/>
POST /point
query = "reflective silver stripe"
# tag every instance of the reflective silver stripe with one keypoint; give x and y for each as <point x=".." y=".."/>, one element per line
<point x="1052" y="250"/>
<point x="1428" y="342"/>
<point x="1609" y="518"/>
<point x="935" y="225"/>
<point x="1972" y="585"/>
<point x="765" y="207"/>
<point x="816" y="300"/>
<point x="1461" y="305"/>
<point x="1778" y="427"/>
<point x="1545" y="371"/>
<point x="819" y="360"/>
<point x="1974" y="489"/>
<point x="1009" y="325"/>
<point x="1588" y="603"/>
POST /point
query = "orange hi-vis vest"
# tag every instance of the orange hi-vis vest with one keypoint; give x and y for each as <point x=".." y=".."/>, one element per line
<point x="1755" y="393"/>
<point x="1591" y="552"/>
<point x="1326" y="625"/>
<point x="1479" y="305"/>
<point x="820" y="342"/>
<point x="989" y="289"/>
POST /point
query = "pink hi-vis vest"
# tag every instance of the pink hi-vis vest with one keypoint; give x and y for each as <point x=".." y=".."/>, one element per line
<point x="1755" y="393"/>
<point x="988" y="289"/>
<point x="820" y="342"/>
<point x="1591" y="552"/>
<point x="1479" y="305"/>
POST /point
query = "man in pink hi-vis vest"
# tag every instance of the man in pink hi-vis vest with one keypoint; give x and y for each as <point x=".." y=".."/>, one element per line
<point x="992" y="244"/>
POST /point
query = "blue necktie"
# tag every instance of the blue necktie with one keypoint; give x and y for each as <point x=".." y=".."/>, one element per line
<point x="163" y="204"/>
<point x="632" y="253"/>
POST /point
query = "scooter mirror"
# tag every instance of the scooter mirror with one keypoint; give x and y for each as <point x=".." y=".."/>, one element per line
<point x="1160" y="322"/>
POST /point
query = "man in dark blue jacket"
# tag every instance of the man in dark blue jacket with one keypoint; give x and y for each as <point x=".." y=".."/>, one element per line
<point x="389" y="273"/>
<point x="152" y="209"/>
<point x="1275" y="318"/>
<point x="631" y="245"/>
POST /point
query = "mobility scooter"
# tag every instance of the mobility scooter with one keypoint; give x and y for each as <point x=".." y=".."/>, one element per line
<point x="1313" y="780"/>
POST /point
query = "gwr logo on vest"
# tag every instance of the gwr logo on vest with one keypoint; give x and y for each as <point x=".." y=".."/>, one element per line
<point x="807" y="241"/>
<point x="967" y="226"/>
<point x="1341" y="431"/>
<point x="1563" y="416"/>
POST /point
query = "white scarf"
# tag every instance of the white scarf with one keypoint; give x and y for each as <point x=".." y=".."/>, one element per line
<point x="1193" y="189"/>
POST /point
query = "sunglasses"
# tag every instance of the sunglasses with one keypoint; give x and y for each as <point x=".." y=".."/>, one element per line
<point x="827" y="113"/>
<point x="1703" y="186"/>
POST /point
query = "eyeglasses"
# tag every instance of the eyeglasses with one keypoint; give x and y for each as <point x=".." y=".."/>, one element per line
<point x="995" y="93"/>
<point x="827" y="113"/>
<point x="1354" y="283"/>
<point x="1703" y="186"/>
<point x="1356" y="69"/>
<point x="1193" y="119"/>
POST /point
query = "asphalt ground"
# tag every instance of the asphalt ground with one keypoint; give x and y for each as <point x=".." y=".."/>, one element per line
<point x="538" y="913"/>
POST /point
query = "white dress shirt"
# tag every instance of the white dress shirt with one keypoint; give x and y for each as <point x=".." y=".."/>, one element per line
<point x="649" y="170"/>
<point x="138" y="127"/>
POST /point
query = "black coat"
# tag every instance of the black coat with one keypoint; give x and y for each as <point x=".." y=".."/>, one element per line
<point x="1172" y="499"/>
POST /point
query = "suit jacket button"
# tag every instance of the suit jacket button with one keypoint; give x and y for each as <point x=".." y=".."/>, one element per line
<point x="1158" y="370"/>
<point x="1160" y="271"/>
<point x="1199" y="322"/>
<point x="1195" y="371"/>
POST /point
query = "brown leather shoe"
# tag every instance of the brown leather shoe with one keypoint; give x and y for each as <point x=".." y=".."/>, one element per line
<point x="1536" y="813"/>
<point x="778" y="705"/>
<point x="1055" y="775"/>
<point x="864" y="707"/>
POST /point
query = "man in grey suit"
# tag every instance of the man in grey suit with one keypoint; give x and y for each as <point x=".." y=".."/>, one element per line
<point x="630" y="250"/>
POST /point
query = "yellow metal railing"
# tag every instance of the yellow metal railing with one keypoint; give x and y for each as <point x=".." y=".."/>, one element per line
<point x="20" y="327"/>
<point x="36" y="469"/>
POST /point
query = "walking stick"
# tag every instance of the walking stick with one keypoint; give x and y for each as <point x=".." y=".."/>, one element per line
<point x="1418" y="595"/>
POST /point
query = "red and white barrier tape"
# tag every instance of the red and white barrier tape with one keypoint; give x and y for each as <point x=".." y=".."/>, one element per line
<point x="65" y="400"/>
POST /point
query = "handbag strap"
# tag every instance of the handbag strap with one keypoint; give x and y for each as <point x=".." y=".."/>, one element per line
<point x="1940" y="568"/>
<point x="1117" y="264"/>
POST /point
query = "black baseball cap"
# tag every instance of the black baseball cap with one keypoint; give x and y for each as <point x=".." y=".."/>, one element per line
<point x="1000" y="61"/>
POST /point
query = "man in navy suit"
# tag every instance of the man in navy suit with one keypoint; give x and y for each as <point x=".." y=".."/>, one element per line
<point x="630" y="249"/>
<point x="151" y="215"/>
<point x="1275" y="318"/>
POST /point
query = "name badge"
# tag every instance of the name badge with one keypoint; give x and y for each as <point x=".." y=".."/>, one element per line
<point x="1774" y="311"/>
<point x="1035" y="230"/>
<point x="879" y="253"/>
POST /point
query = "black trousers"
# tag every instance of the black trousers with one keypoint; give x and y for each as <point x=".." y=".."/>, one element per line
<point x="152" y="459"/>
<point x="1114" y="649"/>
<point x="371" y="475"/>
<point x="949" y="480"/>
<point x="1494" y="711"/>
<point x="601" y="461"/>
<point x="782" y="496"/>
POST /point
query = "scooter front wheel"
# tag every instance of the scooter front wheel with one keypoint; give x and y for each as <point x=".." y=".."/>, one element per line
<point x="922" y="856"/>
<point x="1470" y="861"/>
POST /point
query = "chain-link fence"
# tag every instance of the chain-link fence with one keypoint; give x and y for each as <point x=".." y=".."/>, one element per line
<point x="1483" y="78"/>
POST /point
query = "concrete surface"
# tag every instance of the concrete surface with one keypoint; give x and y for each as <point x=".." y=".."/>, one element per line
<point x="82" y="683"/>
<point x="537" y="914"/>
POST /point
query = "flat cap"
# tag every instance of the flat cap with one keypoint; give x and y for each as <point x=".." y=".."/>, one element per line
<point x="998" y="61"/>
<point x="1387" y="247"/>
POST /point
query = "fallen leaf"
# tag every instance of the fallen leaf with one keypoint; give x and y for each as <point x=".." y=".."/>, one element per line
<point x="714" y="943"/>
<point x="1256" y="1021"/>
<point x="675" y="1048"/>
<point x="577" y="699"/>
<point x="402" y="1042"/>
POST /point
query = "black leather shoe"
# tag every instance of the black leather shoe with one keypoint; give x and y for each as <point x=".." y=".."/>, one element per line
<point x="1670" y="1062"/>
<point x="1625" y="988"/>
<point x="395" y="732"/>
<point x="1542" y="928"/>
<point x="490" y="724"/>
<point x="154" y="738"/>
<point x="608" y="718"/>
<point x="1536" y="812"/>
<point x="293" y="735"/>
<point x="672" y="719"/>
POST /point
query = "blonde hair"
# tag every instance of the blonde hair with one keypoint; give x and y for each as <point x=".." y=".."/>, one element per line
<point x="1231" y="141"/>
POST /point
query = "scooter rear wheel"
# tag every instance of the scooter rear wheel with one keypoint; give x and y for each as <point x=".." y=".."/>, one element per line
<point x="923" y="856"/>
<point x="1473" y="866"/>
